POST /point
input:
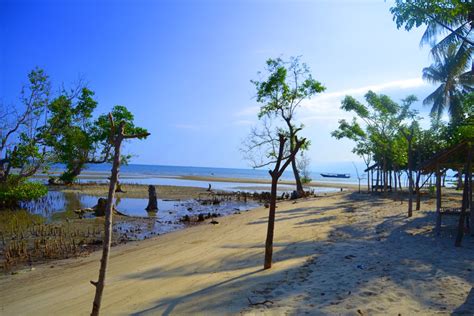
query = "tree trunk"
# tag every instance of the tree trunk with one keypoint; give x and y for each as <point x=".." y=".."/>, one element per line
<point x="299" y="185"/>
<point x="108" y="230"/>
<point x="271" y="224"/>
<point x="276" y="174"/>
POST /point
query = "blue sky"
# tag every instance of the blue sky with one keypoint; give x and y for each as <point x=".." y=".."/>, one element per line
<point x="184" y="67"/>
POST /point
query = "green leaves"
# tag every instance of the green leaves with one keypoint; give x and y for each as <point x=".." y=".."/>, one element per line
<point x="18" y="190"/>
<point x="286" y="85"/>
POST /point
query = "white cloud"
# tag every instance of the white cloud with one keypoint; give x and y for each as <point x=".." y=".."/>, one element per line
<point x="326" y="106"/>
<point x="324" y="109"/>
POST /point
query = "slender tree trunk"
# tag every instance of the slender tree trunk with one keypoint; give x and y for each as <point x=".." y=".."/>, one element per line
<point x="296" y="173"/>
<point x="100" y="284"/>
<point x="299" y="185"/>
<point x="276" y="174"/>
<point x="271" y="223"/>
<point x="116" y="138"/>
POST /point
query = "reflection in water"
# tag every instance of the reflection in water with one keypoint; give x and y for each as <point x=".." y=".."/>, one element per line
<point x="141" y="224"/>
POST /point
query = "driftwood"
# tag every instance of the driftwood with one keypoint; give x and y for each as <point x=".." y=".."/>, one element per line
<point x="152" y="199"/>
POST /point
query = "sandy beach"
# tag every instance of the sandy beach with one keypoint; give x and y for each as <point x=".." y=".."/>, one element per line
<point x="343" y="254"/>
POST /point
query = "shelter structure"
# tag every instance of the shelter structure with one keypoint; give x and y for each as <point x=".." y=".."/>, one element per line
<point x="378" y="182"/>
<point x="457" y="157"/>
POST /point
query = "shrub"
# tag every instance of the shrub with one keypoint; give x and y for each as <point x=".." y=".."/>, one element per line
<point x="15" y="190"/>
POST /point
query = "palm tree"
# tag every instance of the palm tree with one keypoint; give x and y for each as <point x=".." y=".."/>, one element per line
<point x="457" y="31"/>
<point x="450" y="70"/>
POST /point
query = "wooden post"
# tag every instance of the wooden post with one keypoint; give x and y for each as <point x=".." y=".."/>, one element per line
<point x="465" y="198"/>
<point x="471" y="214"/>
<point x="438" y="200"/>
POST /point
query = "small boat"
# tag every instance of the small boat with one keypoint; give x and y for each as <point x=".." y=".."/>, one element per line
<point x="336" y="175"/>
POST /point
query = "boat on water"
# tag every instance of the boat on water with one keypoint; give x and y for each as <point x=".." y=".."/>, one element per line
<point x="336" y="175"/>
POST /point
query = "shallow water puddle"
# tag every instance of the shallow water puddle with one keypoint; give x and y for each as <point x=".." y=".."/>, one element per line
<point x="59" y="206"/>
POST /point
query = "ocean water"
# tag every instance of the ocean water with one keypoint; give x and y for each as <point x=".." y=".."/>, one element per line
<point x="152" y="171"/>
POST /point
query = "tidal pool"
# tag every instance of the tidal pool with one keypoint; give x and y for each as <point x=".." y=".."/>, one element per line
<point x="138" y="224"/>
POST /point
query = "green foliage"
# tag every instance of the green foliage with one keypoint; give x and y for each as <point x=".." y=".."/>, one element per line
<point x="69" y="131"/>
<point x="451" y="71"/>
<point x="414" y="13"/>
<point x="120" y="114"/>
<point x="76" y="138"/>
<point x="376" y="128"/>
<point x="284" y="86"/>
<point x="449" y="31"/>
<point x="17" y="190"/>
<point x="287" y="84"/>
<point x="21" y="144"/>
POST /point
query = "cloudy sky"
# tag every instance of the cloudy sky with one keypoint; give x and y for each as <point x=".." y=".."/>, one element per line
<point x="184" y="67"/>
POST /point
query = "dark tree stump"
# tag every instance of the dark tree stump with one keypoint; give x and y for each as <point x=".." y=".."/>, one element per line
<point x="152" y="200"/>
<point x="99" y="209"/>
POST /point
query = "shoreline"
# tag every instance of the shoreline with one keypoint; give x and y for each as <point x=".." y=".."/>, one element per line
<point x="96" y="175"/>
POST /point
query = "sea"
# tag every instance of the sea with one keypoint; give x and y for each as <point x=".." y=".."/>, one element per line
<point x="172" y="175"/>
<point x="238" y="173"/>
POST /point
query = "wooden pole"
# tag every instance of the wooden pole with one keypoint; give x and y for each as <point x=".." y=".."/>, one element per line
<point x="438" y="200"/>
<point x="465" y="199"/>
<point x="471" y="215"/>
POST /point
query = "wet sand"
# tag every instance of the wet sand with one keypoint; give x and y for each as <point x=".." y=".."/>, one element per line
<point x="268" y="181"/>
<point x="346" y="254"/>
<point x="136" y="191"/>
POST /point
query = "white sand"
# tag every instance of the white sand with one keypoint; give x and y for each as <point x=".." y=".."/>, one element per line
<point x="333" y="255"/>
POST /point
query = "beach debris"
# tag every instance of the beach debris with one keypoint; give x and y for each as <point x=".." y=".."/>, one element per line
<point x="152" y="199"/>
<point x="54" y="181"/>
<point x="214" y="222"/>
<point x="294" y="195"/>
<point x="265" y="302"/>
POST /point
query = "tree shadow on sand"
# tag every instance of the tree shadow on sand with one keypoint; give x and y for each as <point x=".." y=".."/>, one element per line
<point x="352" y="266"/>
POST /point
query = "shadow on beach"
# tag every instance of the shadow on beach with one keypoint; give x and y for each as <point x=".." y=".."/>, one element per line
<point x="365" y="266"/>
